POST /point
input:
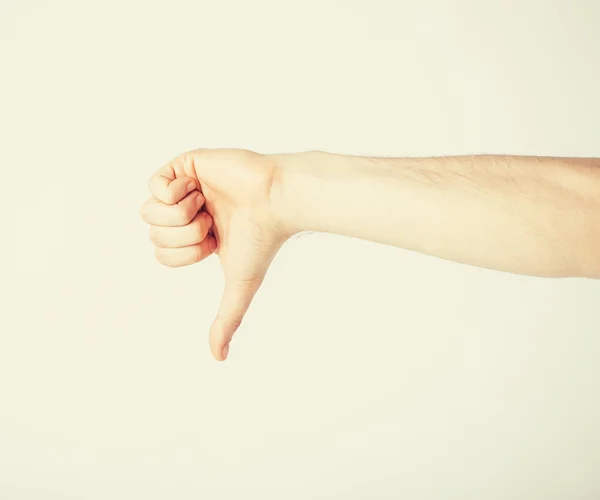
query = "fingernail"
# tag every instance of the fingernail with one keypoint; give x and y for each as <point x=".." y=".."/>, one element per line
<point x="225" y="351"/>
<point x="190" y="187"/>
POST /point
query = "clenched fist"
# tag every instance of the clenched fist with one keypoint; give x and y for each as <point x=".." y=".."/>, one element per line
<point x="218" y="201"/>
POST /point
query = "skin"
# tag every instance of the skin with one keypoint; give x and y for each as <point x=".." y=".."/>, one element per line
<point x="538" y="216"/>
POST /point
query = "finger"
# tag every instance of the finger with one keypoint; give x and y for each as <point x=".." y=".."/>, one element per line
<point x="182" y="236"/>
<point x="168" y="188"/>
<point x="157" y="213"/>
<point x="237" y="297"/>
<point x="186" y="256"/>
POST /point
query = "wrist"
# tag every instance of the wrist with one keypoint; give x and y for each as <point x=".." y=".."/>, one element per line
<point x="319" y="191"/>
<point x="291" y="181"/>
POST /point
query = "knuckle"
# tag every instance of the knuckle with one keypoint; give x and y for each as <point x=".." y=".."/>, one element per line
<point x="144" y="212"/>
<point x="186" y="214"/>
<point x="197" y="230"/>
<point x="169" y="197"/>
<point x="234" y="323"/>
<point x="154" y="234"/>
<point x="159" y="256"/>
<point x="196" y="156"/>
<point x="162" y="257"/>
<point x="206" y="222"/>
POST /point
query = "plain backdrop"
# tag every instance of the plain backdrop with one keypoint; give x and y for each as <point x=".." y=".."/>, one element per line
<point x="361" y="371"/>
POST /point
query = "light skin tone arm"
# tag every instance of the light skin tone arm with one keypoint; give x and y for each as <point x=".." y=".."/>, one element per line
<point x="529" y="215"/>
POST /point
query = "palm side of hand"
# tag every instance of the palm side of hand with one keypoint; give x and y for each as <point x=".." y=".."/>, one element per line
<point x="235" y="185"/>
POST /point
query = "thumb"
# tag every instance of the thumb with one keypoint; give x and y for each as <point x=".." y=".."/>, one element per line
<point x="237" y="296"/>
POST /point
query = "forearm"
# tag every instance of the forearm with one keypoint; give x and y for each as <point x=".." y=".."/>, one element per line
<point x="528" y="215"/>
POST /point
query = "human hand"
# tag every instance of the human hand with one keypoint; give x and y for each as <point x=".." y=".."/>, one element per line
<point x="219" y="201"/>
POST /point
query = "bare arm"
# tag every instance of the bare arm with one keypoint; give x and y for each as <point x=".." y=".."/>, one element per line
<point x="527" y="215"/>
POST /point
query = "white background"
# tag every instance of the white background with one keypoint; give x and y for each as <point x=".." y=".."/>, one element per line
<point x="361" y="371"/>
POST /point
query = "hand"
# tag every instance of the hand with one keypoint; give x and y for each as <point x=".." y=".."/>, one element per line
<point x="207" y="201"/>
